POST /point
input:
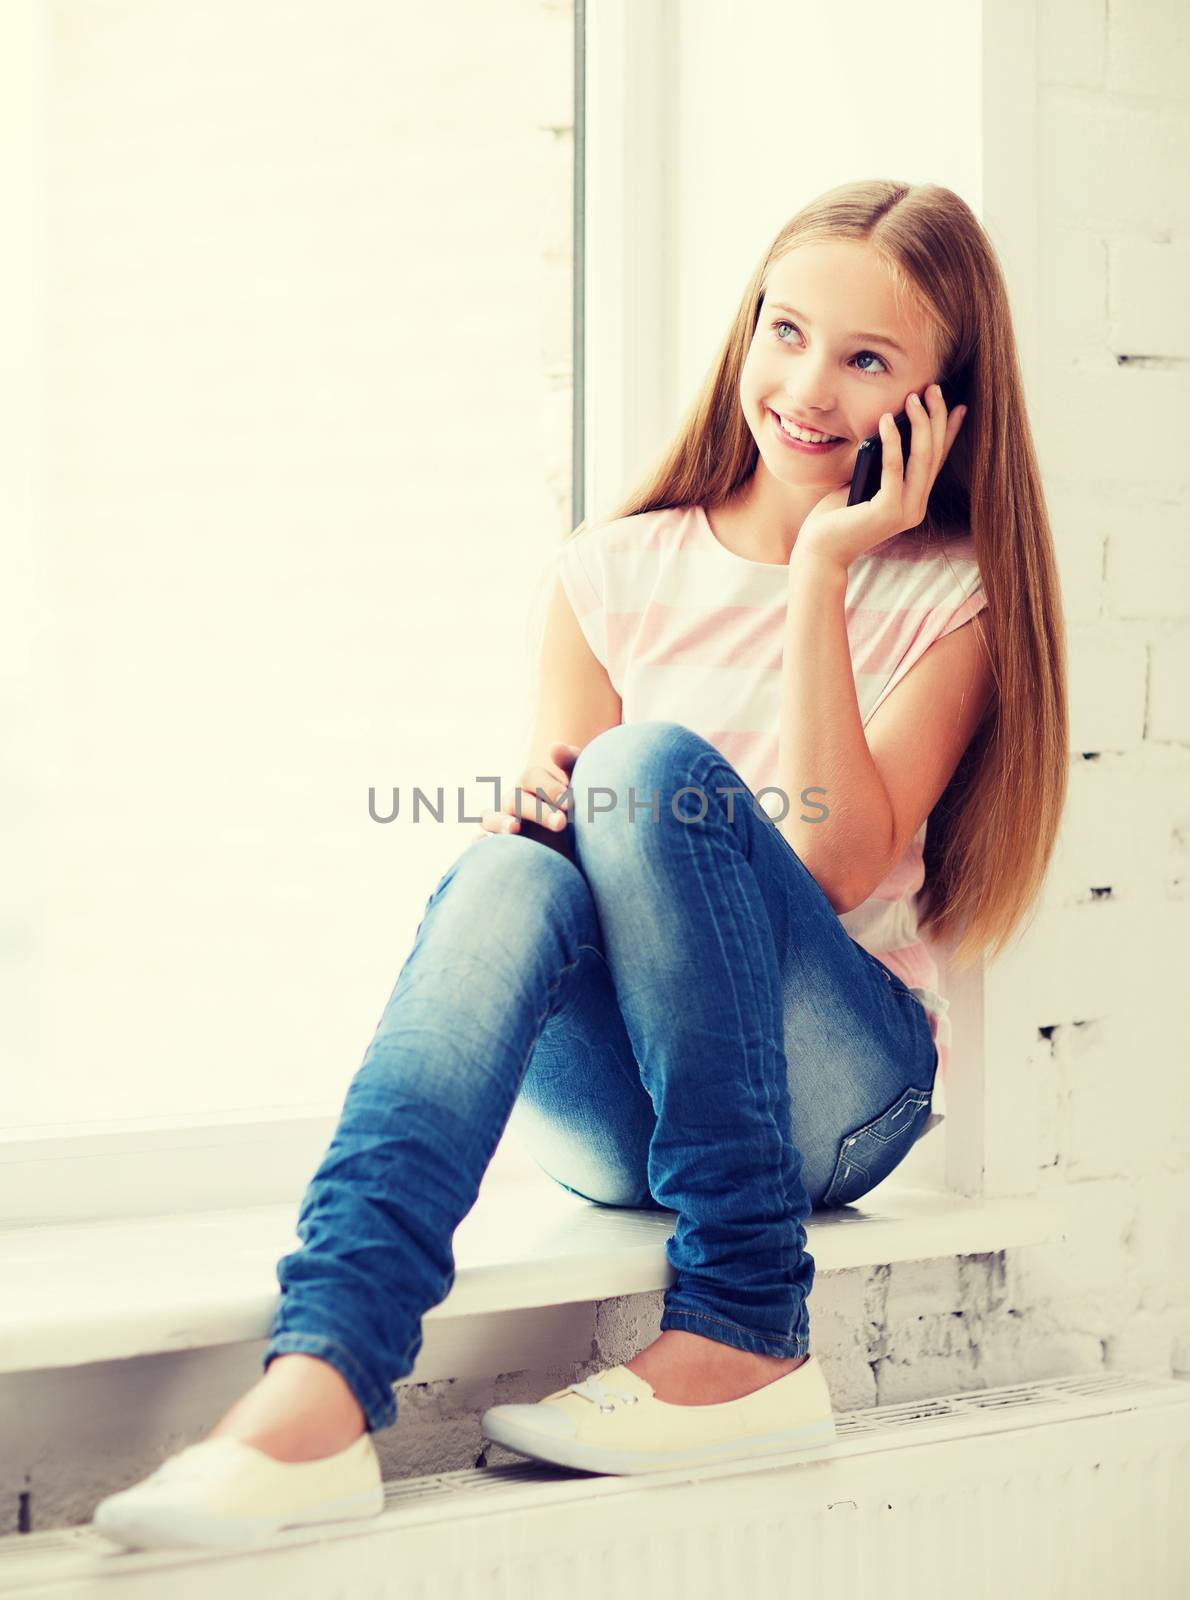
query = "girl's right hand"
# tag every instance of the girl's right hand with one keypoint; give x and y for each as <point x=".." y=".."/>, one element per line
<point x="552" y="777"/>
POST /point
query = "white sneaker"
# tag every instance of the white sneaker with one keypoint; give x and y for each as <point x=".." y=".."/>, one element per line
<point x="225" y="1492"/>
<point x="614" y="1422"/>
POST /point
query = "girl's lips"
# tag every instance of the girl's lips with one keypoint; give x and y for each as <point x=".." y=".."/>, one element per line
<point x="800" y="444"/>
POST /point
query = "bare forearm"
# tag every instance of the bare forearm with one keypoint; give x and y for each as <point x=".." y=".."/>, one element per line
<point x="822" y="747"/>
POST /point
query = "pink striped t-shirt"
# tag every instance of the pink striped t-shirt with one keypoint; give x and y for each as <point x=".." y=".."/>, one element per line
<point x="688" y="631"/>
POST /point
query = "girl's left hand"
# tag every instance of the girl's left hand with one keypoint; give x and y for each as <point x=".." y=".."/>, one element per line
<point x="843" y="532"/>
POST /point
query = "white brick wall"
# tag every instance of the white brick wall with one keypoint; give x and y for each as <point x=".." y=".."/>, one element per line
<point x="1089" y="1017"/>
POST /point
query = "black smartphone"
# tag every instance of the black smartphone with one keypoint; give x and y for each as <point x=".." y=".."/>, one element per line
<point x="869" y="458"/>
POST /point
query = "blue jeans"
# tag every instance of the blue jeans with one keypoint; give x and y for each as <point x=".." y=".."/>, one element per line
<point x="674" y="1019"/>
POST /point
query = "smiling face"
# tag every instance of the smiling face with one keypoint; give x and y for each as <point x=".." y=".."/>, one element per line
<point x="847" y="354"/>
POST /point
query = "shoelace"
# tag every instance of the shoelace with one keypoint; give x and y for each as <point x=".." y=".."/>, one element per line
<point x="597" y="1389"/>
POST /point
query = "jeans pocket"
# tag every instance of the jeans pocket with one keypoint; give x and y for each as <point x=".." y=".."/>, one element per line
<point x="871" y="1152"/>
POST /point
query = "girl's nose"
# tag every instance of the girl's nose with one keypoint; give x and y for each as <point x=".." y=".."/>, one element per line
<point x="813" y="399"/>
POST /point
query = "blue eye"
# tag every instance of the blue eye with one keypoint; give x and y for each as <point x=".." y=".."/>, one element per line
<point x="783" y="323"/>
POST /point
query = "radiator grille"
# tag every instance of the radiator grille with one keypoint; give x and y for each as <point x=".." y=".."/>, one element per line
<point x="1060" y="1489"/>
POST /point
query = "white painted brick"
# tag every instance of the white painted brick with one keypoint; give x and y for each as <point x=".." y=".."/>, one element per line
<point x="1105" y="1115"/>
<point x="1150" y="980"/>
<point x="1157" y="811"/>
<point x="846" y="1334"/>
<point x="927" y="1358"/>
<point x="1108" y="167"/>
<point x="1145" y="1345"/>
<point x="1171" y="804"/>
<point x="983" y="1284"/>
<point x="1080" y="524"/>
<point x="1010" y="1339"/>
<point x="1032" y="1345"/>
<point x="1158" y="1238"/>
<point x="1147" y="452"/>
<point x="1021" y="1134"/>
<point x="1073" y="288"/>
<point x="1148" y="47"/>
<point x="1180" y="1365"/>
<point x="1072" y="961"/>
<point x="837" y="1305"/>
<point x="1044" y="1061"/>
<point x="1088" y="1283"/>
<point x="926" y="1351"/>
<point x="1011" y="1023"/>
<point x="1106" y="670"/>
<point x="843" y="1295"/>
<point x="1147" y="562"/>
<point x="1169" y="687"/>
<point x="1071" y="43"/>
<point x="1099" y="844"/>
<point x="624" y="1326"/>
<point x="918" y="1289"/>
<point x="1148" y="308"/>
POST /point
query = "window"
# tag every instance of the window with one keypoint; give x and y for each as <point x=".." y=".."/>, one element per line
<point x="307" y="313"/>
<point x="344" y="327"/>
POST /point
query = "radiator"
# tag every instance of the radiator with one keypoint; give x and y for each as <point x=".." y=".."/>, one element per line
<point x="1072" y="1487"/>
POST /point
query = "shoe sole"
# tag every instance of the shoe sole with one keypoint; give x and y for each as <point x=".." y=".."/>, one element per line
<point x="163" y="1528"/>
<point x="602" y="1458"/>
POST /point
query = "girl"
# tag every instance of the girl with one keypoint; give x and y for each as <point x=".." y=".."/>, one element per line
<point x="694" y="1004"/>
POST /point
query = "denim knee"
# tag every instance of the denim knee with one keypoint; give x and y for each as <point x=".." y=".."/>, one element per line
<point x="507" y="863"/>
<point x="633" y="771"/>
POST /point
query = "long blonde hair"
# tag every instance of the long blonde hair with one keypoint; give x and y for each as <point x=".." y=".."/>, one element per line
<point x="993" y="830"/>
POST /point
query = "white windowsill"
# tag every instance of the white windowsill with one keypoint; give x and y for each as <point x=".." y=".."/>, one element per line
<point x="127" y="1287"/>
